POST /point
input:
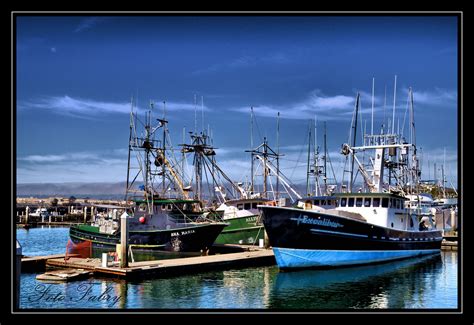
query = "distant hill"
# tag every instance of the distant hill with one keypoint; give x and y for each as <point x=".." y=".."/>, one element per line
<point x="67" y="189"/>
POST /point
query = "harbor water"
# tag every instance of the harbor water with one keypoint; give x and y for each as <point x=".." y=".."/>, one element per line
<point x="429" y="282"/>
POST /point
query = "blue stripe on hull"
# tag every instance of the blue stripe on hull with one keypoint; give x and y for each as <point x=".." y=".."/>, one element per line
<point x="306" y="258"/>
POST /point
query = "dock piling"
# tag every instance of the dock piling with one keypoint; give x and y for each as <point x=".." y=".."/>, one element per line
<point x="18" y="272"/>
<point x="124" y="240"/>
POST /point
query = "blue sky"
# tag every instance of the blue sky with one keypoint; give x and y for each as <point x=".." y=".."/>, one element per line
<point x="76" y="75"/>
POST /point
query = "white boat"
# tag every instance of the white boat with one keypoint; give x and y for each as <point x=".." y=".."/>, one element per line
<point x="40" y="212"/>
<point x="359" y="226"/>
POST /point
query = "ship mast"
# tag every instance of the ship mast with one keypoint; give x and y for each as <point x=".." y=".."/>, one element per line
<point x="251" y="156"/>
<point x="145" y="149"/>
<point x="278" y="160"/>
<point x="354" y="134"/>
<point x="391" y="151"/>
<point x="308" y="169"/>
<point x="264" y="152"/>
<point x="129" y="150"/>
<point x="324" y="173"/>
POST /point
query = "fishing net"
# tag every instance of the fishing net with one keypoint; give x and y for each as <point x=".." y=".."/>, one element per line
<point x="83" y="249"/>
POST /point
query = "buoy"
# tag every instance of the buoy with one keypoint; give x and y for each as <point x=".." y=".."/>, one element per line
<point x="142" y="219"/>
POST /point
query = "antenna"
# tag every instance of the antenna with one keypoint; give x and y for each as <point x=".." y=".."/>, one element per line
<point x="412" y="118"/>
<point x="251" y="127"/>
<point x="384" y="107"/>
<point x="354" y="141"/>
<point x="394" y="101"/>
<point x="373" y="98"/>
<point x="195" y="115"/>
<point x="251" y="148"/>
<point x="316" y="158"/>
<point x="129" y="149"/>
<point x="308" y="189"/>
<point x="278" y="153"/>
<point x="444" y="178"/>
<point x="163" y="170"/>
<point x="202" y="113"/>
<point x="325" y="160"/>
<point x="183" y="155"/>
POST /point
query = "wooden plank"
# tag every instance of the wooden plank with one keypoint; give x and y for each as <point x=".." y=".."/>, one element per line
<point x="74" y="262"/>
<point x="63" y="275"/>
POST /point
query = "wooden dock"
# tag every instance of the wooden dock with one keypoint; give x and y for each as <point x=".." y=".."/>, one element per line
<point x="170" y="267"/>
<point x="449" y="245"/>
<point x="38" y="263"/>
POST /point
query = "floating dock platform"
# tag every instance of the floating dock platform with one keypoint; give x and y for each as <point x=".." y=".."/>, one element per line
<point x="38" y="263"/>
<point x="449" y="245"/>
<point x="169" y="267"/>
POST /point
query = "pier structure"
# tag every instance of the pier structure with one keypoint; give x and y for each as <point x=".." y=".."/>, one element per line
<point x="252" y="256"/>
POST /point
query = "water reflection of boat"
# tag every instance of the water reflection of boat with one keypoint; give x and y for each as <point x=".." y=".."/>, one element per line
<point x="388" y="285"/>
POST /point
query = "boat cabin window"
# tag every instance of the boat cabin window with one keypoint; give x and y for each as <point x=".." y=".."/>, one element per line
<point x="163" y="207"/>
<point x="398" y="204"/>
<point x="170" y="207"/>
<point x="240" y="206"/>
<point x="376" y="202"/>
<point x="343" y="202"/>
<point x="385" y="202"/>
<point x="247" y="206"/>
<point x="316" y="202"/>
<point x="367" y="202"/>
<point x="351" y="202"/>
<point x="254" y="205"/>
<point x="358" y="202"/>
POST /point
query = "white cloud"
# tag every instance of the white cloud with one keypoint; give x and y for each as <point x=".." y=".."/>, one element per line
<point x="316" y="104"/>
<point x="246" y="61"/>
<point x="104" y="166"/>
<point x="78" y="107"/>
<point x="53" y="50"/>
<point x="438" y="97"/>
<point x="338" y="107"/>
<point x="88" y="23"/>
<point x="73" y="157"/>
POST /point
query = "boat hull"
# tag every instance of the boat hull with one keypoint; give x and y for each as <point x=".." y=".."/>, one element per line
<point x="242" y="230"/>
<point x="187" y="239"/>
<point x="311" y="239"/>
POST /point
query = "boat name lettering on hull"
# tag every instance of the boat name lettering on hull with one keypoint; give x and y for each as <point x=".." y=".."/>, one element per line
<point x="181" y="233"/>
<point x="251" y="219"/>
<point x="320" y="222"/>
